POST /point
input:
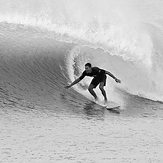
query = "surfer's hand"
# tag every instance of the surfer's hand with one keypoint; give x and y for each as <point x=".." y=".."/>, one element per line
<point x="68" y="86"/>
<point x="117" y="80"/>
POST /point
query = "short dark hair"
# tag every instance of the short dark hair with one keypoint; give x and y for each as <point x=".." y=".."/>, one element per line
<point x="88" y="64"/>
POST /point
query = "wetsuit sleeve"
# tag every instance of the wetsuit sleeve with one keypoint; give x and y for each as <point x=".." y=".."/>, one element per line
<point x="82" y="76"/>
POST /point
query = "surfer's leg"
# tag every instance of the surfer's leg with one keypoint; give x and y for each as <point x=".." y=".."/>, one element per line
<point x="90" y="89"/>
<point x="101" y="86"/>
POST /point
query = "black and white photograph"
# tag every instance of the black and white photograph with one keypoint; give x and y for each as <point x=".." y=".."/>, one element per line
<point x="81" y="81"/>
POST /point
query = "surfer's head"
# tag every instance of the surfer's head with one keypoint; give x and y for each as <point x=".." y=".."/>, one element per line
<point x="88" y="67"/>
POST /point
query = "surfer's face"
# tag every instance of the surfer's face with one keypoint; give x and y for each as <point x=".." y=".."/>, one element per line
<point x="88" y="69"/>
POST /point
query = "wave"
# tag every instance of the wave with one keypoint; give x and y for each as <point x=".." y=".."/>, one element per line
<point x="35" y="68"/>
<point x="111" y="34"/>
<point x="135" y="78"/>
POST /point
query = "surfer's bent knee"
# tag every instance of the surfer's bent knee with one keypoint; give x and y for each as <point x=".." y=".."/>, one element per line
<point x="91" y="87"/>
<point x="101" y="88"/>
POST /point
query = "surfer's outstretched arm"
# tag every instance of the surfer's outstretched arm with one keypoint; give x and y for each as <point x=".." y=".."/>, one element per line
<point x="77" y="80"/>
<point x="111" y="75"/>
<point x="73" y="83"/>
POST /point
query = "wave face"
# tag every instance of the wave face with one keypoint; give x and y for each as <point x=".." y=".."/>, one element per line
<point x="115" y="35"/>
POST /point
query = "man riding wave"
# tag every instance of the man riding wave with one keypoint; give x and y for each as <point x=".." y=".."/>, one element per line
<point x="99" y="78"/>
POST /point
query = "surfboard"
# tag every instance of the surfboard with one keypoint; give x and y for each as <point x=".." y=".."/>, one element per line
<point x="115" y="109"/>
<point x="110" y="105"/>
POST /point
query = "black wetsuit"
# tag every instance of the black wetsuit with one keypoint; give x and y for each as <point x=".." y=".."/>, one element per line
<point x="98" y="74"/>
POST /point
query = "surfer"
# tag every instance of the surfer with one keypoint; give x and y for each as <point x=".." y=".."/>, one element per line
<point x="99" y="78"/>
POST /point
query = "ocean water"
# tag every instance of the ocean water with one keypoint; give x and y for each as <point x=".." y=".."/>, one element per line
<point x="44" y="46"/>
